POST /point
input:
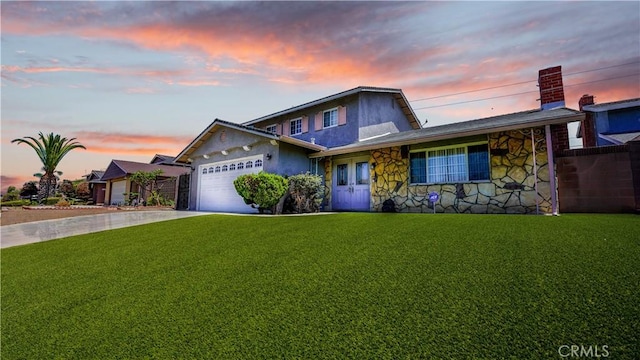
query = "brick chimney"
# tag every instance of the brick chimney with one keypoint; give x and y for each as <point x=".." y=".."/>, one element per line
<point x="587" y="126"/>
<point x="551" y="88"/>
<point x="585" y="100"/>
<point x="552" y="96"/>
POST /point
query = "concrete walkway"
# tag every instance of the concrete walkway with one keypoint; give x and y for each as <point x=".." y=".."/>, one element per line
<point x="38" y="231"/>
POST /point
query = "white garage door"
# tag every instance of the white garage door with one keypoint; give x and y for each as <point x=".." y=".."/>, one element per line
<point x="117" y="192"/>
<point x="216" y="191"/>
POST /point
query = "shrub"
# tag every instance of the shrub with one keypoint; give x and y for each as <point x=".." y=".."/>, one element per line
<point x="306" y="191"/>
<point x="63" y="203"/>
<point x="83" y="191"/>
<point x="16" y="203"/>
<point x="263" y="190"/>
<point x="52" y="201"/>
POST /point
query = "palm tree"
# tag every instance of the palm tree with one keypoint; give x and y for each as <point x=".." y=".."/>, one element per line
<point x="50" y="149"/>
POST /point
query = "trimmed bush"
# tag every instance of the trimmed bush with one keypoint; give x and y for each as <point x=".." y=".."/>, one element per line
<point x="263" y="190"/>
<point x="16" y="203"/>
<point x="306" y="192"/>
<point x="52" y="200"/>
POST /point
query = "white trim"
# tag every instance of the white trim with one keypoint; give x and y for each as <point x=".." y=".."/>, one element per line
<point x="291" y="122"/>
<point x="375" y="136"/>
<point x="329" y="110"/>
<point x="457" y="146"/>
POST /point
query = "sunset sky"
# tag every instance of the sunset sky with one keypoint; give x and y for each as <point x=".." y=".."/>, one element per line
<point x="133" y="79"/>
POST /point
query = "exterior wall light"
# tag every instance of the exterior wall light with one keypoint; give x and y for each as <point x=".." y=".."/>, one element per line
<point x="268" y="156"/>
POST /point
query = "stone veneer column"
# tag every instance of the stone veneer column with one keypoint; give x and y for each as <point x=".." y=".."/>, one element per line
<point x="389" y="178"/>
<point x="328" y="183"/>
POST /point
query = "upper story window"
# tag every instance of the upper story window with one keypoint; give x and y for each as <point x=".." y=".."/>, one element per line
<point x="330" y="118"/>
<point x="295" y="126"/>
<point x="450" y="164"/>
<point x="272" y="128"/>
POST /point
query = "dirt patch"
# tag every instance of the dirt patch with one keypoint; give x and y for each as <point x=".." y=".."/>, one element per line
<point x="12" y="216"/>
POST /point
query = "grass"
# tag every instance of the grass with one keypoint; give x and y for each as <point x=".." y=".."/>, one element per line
<point x="384" y="286"/>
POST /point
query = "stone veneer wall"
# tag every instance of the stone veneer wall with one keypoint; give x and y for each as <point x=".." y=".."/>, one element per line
<point x="510" y="190"/>
<point x="328" y="173"/>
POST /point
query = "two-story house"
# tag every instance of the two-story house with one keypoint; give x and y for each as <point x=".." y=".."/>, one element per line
<point x="282" y="142"/>
<point x="371" y="150"/>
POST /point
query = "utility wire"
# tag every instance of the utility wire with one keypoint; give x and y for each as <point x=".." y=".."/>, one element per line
<point x="521" y="93"/>
<point x="522" y="82"/>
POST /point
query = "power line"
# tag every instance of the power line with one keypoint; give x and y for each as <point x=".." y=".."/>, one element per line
<point x="521" y="93"/>
<point x="522" y="82"/>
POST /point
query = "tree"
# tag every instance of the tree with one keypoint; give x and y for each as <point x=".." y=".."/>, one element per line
<point x="12" y="194"/>
<point x="51" y="149"/>
<point x="68" y="189"/>
<point x="29" y="189"/>
<point x="83" y="191"/>
<point x="145" y="180"/>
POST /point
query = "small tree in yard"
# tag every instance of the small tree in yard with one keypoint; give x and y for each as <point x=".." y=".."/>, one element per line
<point x="306" y="191"/>
<point x="82" y="191"/>
<point x="12" y="194"/>
<point x="263" y="190"/>
<point x="146" y="181"/>
<point x="68" y="189"/>
<point x="29" y="189"/>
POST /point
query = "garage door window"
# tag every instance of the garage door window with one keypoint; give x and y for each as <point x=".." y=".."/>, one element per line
<point x="249" y="164"/>
<point x="258" y="163"/>
<point x="240" y="165"/>
<point x="204" y="171"/>
<point x="232" y="167"/>
<point x="225" y="168"/>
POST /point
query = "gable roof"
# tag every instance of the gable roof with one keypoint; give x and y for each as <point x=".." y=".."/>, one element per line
<point x="614" y="105"/>
<point x="120" y="168"/>
<point x="206" y="134"/>
<point x="95" y="176"/>
<point x="519" y="120"/>
<point x="397" y="94"/>
<point x="162" y="159"/>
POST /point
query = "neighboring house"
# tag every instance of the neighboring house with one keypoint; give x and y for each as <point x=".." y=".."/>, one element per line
<point x="613" y="123"/>
<point x="371" y="150"/>
<point x="164" y="160"/>
<point x="117" y="177"/>
<point x="96" y="186"/>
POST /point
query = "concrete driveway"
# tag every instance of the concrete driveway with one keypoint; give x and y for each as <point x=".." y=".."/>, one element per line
<point x="38" y="231"/>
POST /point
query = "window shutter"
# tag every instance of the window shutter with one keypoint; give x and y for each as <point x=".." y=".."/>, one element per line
<point x="318" y="121"/>
<point x="305" y="124"/>
<point x="286" y="128"/>
<point x="342" y="115"/>
<point x="279" y="129"/>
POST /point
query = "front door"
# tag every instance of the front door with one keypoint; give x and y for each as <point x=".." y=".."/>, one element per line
<point x="351" y="189"/>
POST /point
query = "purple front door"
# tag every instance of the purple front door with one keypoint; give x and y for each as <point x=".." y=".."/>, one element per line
<point x="351" y="189"/>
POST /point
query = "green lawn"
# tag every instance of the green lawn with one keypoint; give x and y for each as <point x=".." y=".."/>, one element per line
<point x="357" y="286"/>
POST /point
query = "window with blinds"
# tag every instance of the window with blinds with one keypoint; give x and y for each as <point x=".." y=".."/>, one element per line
<point x="450" y="165"/>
